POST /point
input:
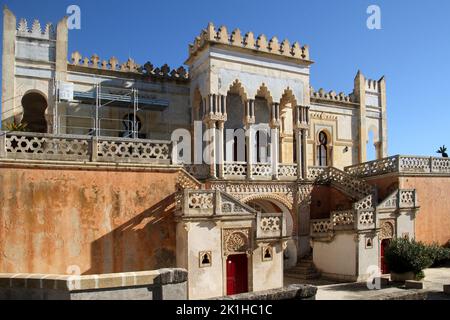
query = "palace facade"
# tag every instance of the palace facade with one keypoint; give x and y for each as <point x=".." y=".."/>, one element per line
<point x="97" y="181"/>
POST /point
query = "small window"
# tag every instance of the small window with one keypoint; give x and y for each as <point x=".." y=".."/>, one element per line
<point x="205" y="259"/>
<point x="322" y="150"/>
<point x="369" y="243"/>
<point x="267" y="252"/>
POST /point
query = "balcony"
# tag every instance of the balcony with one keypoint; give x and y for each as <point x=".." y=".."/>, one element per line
<point x="401" y="164"/>
<point x="36" y="146"/>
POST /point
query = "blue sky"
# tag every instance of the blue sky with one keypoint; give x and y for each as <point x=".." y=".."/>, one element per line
<point x="412" y="49"/>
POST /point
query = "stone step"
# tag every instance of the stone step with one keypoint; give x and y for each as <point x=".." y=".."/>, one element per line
<point x="309" y="276"/>
<point x="301" y="269"/>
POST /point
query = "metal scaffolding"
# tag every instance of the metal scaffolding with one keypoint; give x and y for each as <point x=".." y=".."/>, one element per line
<point x="103" y="96"/>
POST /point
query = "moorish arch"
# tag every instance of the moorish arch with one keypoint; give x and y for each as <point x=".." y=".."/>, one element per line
<point x="288" y="103"/>
<point x="276" y="204"/>
<point x="34" y="105"/>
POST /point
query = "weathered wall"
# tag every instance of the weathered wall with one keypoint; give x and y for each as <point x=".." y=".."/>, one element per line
<point x="433" y="220"/>
<point x="337" y="259"/>
<point x="102" y="221"/>
<point x="326" y="199"/>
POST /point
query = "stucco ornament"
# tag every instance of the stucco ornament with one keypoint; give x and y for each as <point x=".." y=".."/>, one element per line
<point x="236" y="241"/>
<point x="387" y="230"/>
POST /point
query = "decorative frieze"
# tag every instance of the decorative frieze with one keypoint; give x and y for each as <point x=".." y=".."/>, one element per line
<point x="331" y="96"/>
<point x="113" y="64"/>
<point x="248" y="41"/>
<point x="36" y="31"/>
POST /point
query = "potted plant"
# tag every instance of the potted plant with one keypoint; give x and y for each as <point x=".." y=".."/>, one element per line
<point x="407" y="259"/>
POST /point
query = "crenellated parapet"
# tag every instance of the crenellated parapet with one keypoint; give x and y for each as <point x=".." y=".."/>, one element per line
<point x="130" y="66"/>
<point x="248" y="41"/>
<point x="35" y="30"/>
<point x="321" y="94"/>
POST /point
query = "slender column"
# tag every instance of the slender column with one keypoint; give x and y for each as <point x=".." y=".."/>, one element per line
<point x="2" y="144"/>
<point x="304" y="158"/>
<point x="213" y="147"/>
<point x="211" y="104"/>
<point x="249" y="146"/>
<point x="224" y="104"/>
<point x="299" y="153"/>
<point x="220" y="149"/>
<point x="275" y="139"/>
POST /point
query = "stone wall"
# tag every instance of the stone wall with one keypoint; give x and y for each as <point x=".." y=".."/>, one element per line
<point x="164" y="284"/>
<point x="432" y="222"/>
<point x="88" y="218"/>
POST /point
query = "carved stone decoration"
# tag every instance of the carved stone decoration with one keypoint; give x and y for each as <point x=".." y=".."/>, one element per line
<point x="247" y="192"/>
<point x="23" y="25"/>
<point x="270" y="224"/>
<point x="236" y="241"/>
<point x="387" y="229"/>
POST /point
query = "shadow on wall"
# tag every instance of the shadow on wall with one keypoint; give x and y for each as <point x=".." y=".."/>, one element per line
<point x="146" y="242"/>
<point x="325" y="199"/>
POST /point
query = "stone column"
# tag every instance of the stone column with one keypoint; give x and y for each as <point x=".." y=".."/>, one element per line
<point x="304" y="135"/>
<point x="249" y="147"/>
<point x="213" y="146"/>
<point x="249" y="135"/>
<point x="275" y="150"/>
<point x="299" y="153"/>
<point x="220" y="148"/>
<point x="8" y="66"/>
<point x="2" y="144"/>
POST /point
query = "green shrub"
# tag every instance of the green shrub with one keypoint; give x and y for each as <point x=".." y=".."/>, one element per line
<point x="438" y="254"/>
<point x="405" y="255"/>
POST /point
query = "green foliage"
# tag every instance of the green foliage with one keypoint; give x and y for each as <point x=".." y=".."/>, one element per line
<point x="405" y="255"/>
<point x="17" y="127"/>
<point x="438" y="254"/>
<point x="419" y="276"/>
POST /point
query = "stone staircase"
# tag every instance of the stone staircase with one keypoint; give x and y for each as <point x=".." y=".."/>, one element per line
<point x="304" y="270"/>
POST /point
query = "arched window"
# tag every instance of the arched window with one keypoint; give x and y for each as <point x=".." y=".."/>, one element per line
<point x="322" y="150"/>
<point x="34" y="106"/>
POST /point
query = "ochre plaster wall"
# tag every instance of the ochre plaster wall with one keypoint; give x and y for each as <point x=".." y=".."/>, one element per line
<point x="101" y="221"/>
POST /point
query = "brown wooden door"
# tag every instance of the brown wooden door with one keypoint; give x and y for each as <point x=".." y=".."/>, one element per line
<point x="237" y="274"/>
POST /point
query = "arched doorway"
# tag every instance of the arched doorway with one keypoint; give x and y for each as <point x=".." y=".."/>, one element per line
<point x="275" y="206"/>
<point x="34" y="105"/>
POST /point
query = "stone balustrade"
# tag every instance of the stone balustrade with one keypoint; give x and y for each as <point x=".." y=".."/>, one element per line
<point x="287" y="171"/>
<point x="400" y="199"/>
<point x="199" y="203"/>
<point x="36" y="146"/>
<point x="401" y="164"/>
<point x="344" y="220"/>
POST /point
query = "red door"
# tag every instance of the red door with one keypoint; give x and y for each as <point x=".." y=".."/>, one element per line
<point x="384" y="246"/>
<point x="237" y="274"/>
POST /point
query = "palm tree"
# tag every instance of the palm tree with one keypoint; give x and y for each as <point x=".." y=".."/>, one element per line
<point x="443" y="150"/>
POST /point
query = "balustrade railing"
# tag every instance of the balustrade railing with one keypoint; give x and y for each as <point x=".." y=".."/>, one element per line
<point x="36" y="146"/>
<point x="262" y="170"/>
<point x="287" y="170"/>
<point x="401" y="164"/>
<point x="400" y="199"/>
<point x="235" y="169"/>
